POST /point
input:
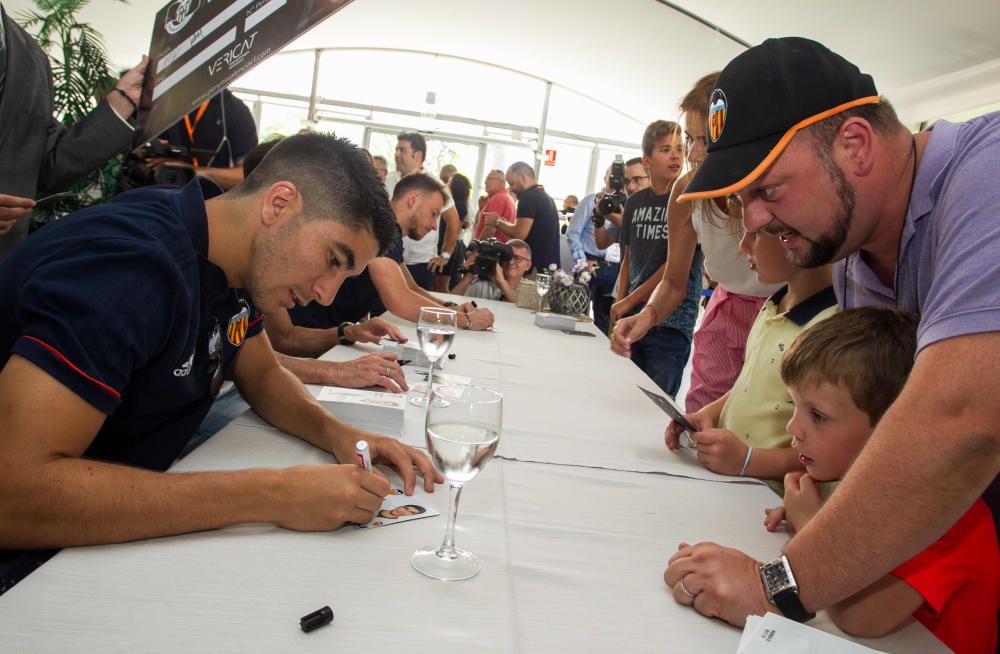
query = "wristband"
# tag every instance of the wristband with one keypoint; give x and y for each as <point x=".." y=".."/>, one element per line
<point x="135" y="107"/>
<point x="656" y="314"/>
<point x="445" y="255"/>
<point x="746" y="462"/>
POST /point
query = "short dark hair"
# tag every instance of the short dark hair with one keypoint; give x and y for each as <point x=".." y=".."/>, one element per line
<point x="522" y="168"/>
<point x="634" y="161"/>
<point x="417" y="143"/>
<point x="868" y="351"/>
<point x="335" y="178"/>
<point x="422" y="182"/>
<point x="461" y="187"/>
<point x="379" y="157"/>
<point x="256" y="155"/>
<point x="657" y="130"/>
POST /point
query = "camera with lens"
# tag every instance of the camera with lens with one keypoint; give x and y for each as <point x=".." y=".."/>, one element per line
<point x="137" y="172"/>
<point x="489" y="253"/>
<point x="612" y="202"/>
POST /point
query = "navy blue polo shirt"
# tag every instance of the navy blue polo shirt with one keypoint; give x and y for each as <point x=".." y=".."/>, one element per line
<point x="119" y="303"/>
<point x="355" y="299"/>
<point x="543" y="238"/>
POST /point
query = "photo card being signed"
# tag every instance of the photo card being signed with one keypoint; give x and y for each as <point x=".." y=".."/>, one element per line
<point x="397" y="508"/>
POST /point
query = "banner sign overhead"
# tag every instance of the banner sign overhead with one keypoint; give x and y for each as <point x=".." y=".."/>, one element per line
<point x="200" y="46"/>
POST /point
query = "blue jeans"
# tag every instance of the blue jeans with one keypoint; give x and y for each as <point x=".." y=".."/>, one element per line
<point x="226" y="407"/>
<point x="662" y="354"/>
<point x="601" y="288"/>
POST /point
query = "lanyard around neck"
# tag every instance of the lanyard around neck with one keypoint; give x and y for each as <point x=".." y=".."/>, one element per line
<point x="191" y="127"/>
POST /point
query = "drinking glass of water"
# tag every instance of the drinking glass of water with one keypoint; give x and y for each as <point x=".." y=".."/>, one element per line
<point x="542" y="283"/>
<point x="462" y="436"/>
<point x="436" y="329"/>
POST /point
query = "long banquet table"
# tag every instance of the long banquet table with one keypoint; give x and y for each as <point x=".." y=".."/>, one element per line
<point x="573" y="521"/>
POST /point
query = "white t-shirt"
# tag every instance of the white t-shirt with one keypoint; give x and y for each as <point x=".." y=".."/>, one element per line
<point x="425" y="249"/>
<point x="390" y="182"/>
<point x="485" y="289"/>
<point x="724" y="262"/>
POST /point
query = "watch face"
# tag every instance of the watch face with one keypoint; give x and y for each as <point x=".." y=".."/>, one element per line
<point x="775" y="576"/>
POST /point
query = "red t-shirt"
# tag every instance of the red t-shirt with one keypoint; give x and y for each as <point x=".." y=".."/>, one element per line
<point x="959" y="578"/>
<point x="503" y="204"/>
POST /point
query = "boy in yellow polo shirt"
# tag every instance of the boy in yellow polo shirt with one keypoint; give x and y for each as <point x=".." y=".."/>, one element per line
<point x="743" y="432"/>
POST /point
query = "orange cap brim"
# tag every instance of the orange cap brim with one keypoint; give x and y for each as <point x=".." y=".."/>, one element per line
<point x="775" y="152"/>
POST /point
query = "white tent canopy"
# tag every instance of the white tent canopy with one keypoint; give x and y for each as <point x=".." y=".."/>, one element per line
<point x="526" y="80"/>
<point x="640" y="56"/>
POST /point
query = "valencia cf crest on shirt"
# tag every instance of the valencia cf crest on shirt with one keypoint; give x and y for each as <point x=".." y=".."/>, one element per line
<point x="238" y="324"/>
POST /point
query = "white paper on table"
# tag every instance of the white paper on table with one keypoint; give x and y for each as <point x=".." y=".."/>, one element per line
<point x="362" y="397"/>
<point x="440" y="378"/>
<point x="448" y="378"/>
<point x="775" y="634"/>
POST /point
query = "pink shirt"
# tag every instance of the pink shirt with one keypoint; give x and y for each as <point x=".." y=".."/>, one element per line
<point x="503" y="204"/>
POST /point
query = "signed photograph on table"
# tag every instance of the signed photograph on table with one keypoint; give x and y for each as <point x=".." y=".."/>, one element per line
<point x="398" y="508"/>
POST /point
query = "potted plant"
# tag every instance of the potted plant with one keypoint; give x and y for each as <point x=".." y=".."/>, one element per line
<point x="570" y="291"/>
<point x="81" y="76"/>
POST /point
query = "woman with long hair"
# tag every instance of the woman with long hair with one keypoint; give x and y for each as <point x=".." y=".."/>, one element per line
<point x="461" y="191"/>
<point x="720" y="341"/>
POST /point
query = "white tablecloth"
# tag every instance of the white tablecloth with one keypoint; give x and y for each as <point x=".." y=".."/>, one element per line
<point x="573" y="527"/>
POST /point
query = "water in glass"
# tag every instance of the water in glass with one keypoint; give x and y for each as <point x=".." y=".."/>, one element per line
<point x="462" y="435"/>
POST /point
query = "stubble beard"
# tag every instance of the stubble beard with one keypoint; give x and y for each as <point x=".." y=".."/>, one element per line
<point x="825" y="247"/>
<point x="263" y="255"/>
<point x="260" y="255"/>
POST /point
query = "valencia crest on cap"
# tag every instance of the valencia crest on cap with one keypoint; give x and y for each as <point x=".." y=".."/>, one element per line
<point x="717" y="108"/>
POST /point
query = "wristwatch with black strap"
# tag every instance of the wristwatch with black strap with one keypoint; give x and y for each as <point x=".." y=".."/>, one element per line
<point x="341" y="338"/>
<point x="782" y="590"/>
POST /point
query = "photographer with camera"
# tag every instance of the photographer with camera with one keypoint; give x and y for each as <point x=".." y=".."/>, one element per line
<point x="595" y="222"/>
<point x="607" y="231"/>
<point x="211" y="141"/>
<point x="493" y="270"/>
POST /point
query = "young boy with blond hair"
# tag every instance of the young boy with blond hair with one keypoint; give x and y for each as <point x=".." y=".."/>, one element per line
<point x="743" y="432"/>
<point x="843" y="374"/>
